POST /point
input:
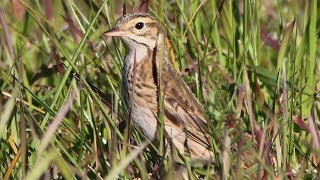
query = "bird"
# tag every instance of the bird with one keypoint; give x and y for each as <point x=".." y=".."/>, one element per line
<point x="148" y="75"/>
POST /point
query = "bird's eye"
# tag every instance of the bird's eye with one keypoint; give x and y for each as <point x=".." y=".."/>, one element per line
<point x="139" y="25"/>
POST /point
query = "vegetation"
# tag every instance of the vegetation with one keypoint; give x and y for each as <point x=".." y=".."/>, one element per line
<point x="253" y="64"/>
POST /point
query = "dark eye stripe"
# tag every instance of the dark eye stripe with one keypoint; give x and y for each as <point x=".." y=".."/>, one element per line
<point x="151" y="24"/>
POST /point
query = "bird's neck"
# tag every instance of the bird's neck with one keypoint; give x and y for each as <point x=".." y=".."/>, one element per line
<point x="138" y="52"/>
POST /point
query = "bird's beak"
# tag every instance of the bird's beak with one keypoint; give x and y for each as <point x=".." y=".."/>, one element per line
<point x="115" y="32"/>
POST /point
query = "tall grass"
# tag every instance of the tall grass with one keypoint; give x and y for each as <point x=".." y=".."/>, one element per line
<point x="254" y="65"/>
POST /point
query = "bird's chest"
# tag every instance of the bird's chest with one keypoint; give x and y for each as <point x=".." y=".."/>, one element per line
<point x="138" y="84"/>
<point x="138" y="78"/>
<point x="140" y="97"/>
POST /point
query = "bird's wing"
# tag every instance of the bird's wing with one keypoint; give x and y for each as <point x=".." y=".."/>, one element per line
<point x="182" y="109"/>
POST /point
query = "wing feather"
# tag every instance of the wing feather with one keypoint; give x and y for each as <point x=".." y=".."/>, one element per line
<point x="182" y="109"/>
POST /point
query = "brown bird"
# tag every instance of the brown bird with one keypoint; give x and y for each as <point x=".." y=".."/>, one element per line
<point x="147" y="75"/>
